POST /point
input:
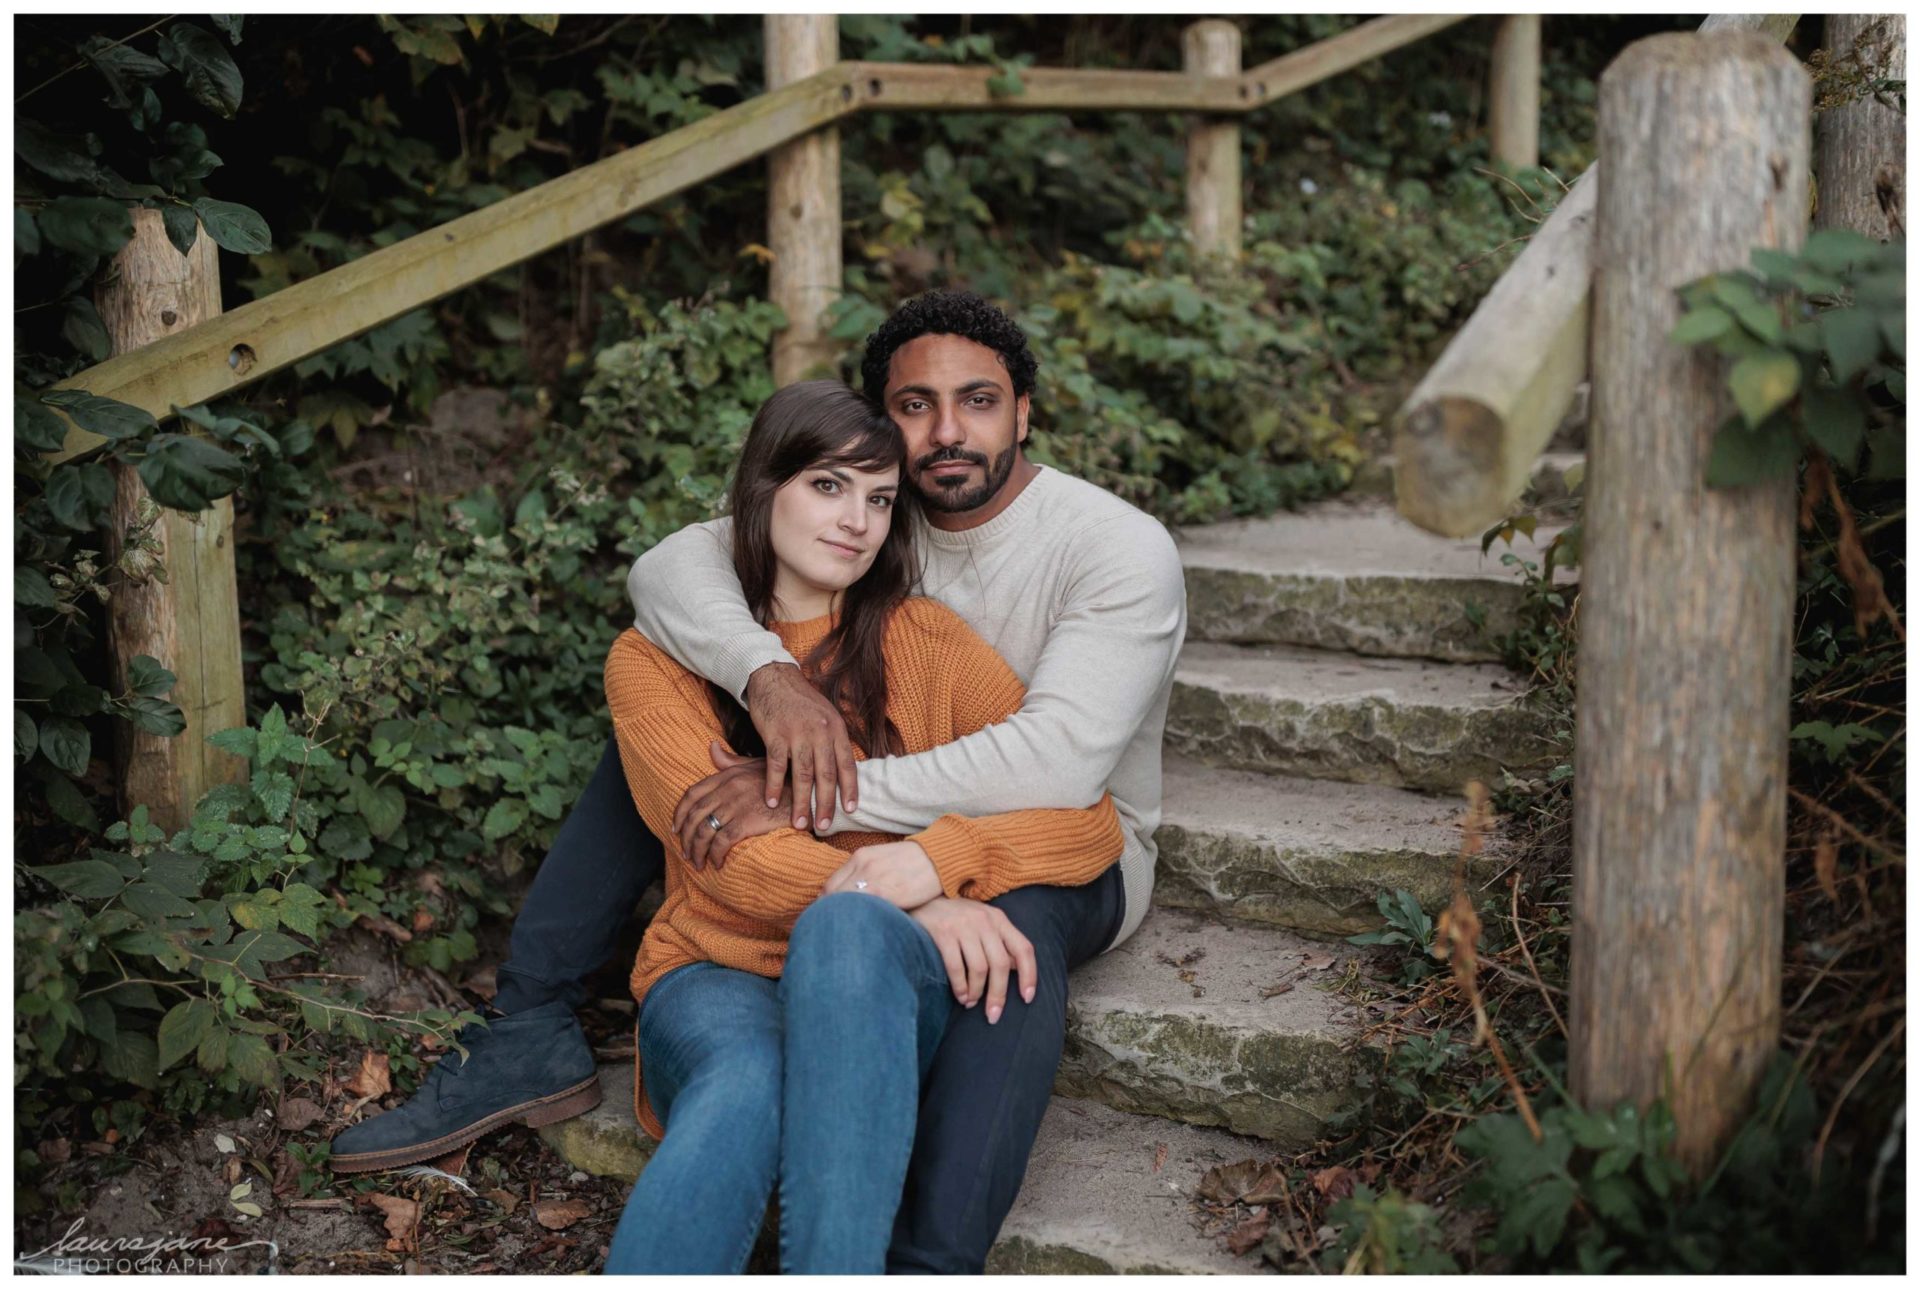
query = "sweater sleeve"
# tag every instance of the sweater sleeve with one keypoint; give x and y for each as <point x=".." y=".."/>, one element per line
<point x="985" y="857"/>
<point x="663" y="726"/>
<point x="687" y="600"/>
<point x="1112" y="648"/>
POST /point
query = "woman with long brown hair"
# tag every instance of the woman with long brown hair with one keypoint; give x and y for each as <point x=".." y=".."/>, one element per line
<point x="787" y="1010"/>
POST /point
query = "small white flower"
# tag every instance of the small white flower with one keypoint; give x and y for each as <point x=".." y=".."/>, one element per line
<point x="1309" y="187"/>
<point x="1439" y="118"/>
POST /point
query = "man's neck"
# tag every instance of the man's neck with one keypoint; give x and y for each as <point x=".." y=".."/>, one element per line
<point x="1024" y="472"/>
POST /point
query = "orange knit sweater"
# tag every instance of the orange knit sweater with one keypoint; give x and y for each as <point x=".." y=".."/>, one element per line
<point x="943" y="682"/>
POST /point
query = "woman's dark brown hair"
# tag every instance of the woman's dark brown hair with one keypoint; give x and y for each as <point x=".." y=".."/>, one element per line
<point x="807" y="425"/>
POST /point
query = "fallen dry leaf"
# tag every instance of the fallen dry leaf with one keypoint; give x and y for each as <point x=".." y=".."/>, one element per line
<point x="231" y="1169"/>
<point x="455" y="1163"/>
<point x="422" y="921"/>
<point x="1225" y="1183"/>
<point x="1334" y="1183"/>
<point x="374" y="1078"/>
<point x="1160" y="1157"/>
<point x="56" y="1151"/>
<point x="386" y="926"/>
<point x="1242" y="1238"/>
<point x="97" y="1147"/>
<point x="1316" y="961"/>
<point x="506" y="1199"/>
<point x="297" y="1113"/>
<point x="559" y="1214"/>
<point x="1826" y="860"/>
<point x="430" y="883"/>
<point x="1274" y="991"/>
<point x="403" y="1220"/>
<point x="485" y="983"/>
<point x="1268" y="1188"/>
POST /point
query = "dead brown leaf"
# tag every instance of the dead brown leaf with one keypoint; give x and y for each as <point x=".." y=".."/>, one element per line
<point x="403" y="1221"/>
<point x="374" y="1078"/>
<point x="297" y="1113"/>
<point x="456" y="1162"/>
<point x="1226" y="1183"/>
<point x="422" y="921"/>
<point x="1826" y="859"/>
<point x="1274" y="991"/>
<point x="1160" y="1157"/>
<point x="286" y="1173"/>
<point x="1268" y="1188"/>
<point x="485" y="983"/>
<point x="231" y="1169"/>
<point x="1242" y="1238"/>
<point x="386" y="926"/>
<point x="57" y="1150"/>
<point x="97" y="1147"/>
<point x="1316" y="961"/>
<point x="1334" y="1183"/>
<point x="506" y="1199"/>
<point x="559" y="1214"/>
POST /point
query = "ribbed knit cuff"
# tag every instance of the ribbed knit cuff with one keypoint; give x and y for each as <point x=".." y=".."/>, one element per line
<point x="733" y="666"/>
<point x="954" y="852"/>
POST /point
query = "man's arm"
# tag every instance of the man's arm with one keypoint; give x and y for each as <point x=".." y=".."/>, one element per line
<point x="687" y="600"/>
<point x="1099" y="673"/>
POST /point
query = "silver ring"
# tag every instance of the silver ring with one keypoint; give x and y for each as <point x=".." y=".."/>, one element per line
<point x="713" y="822"/>
<point x="859" y="886"/>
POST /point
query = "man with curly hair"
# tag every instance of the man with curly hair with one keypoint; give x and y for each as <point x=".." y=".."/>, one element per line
<point x="1084" y="597"/>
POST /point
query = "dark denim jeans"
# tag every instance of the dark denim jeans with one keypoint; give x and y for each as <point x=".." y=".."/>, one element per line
<point x="813" y="1079"/>
<point x="982" y="1102"/>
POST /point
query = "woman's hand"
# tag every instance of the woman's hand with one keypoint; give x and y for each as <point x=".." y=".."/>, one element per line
<point x="899" y="872"/>
<point x="980" y="945"/>
<point x="733" y="797"/>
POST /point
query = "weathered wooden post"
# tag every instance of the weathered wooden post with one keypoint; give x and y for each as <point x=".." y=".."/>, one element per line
<point x="1513" y="92"/>
<point x="803" y="201"/>
<point x="1687" y="594"/>
<point x="1860" y="151"/>
<point x="191" y="621"/>
<point x="1212" y="48"/>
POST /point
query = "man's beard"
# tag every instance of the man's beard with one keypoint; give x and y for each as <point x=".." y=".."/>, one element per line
<point x="955" y="498"/>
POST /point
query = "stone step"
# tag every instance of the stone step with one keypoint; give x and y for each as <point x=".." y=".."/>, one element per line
<point x="1306" y="854"/>
<point x="1407" y="723"/>
<point x="1092" y="1203"/>
<point x="1353" y="576"/>
<point x="1177" y="1022"/>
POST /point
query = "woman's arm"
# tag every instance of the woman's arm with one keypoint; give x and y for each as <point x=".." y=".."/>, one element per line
<point x="663" y="723"/>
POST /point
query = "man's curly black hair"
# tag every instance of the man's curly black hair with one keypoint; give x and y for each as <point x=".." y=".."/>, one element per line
<point x="948" y="313"/>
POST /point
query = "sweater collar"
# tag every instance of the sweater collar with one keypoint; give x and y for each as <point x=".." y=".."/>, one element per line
<point x="1017" y="516"/>
<point x="801" y="638"/>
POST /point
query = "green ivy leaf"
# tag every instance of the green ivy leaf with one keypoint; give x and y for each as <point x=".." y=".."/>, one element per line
<point x="65" y="742"/>
<point x="505" y="817"/>
<point x="1835" y="250"/>
<point x="35" y="427"/>
<point x="234" y="227"/>
<point x="31" y="590"/>
<point x="182" y="1028"/>
<point x="155" y="716"/>
<point x="187" y="473"/>
<point x="80" y="495"/>
<point x="155" y="902"/>
<point x="1763" y="382"/>
<point x="230" y="24"/>
<point x="1836" y="421"/>
<point x="123" y="66"/>
<point x="81" y="327"/>
<point x="1707" y="323"/>
<point x="69" y="803"/>
<point x="87" y="225"/>
<point x="1775" y="266"/>
<point x="107" y="417"/>
<point x="182" y="224"/>
<point x="147" y="677"/>
<point x="1741" y="456"/>
<point x="1853" y="341"/>
<point x="26" y="736"/>
<point x="85" y="879"/>
<point x="209" y="71"/>
<point x="133" y="1057"/>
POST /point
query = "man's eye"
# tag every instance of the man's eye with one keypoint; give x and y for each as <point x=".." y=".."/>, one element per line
<point x="981" y="400"/>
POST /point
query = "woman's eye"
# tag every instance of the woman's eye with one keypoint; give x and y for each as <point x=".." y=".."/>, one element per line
<point x="882" y="502"/>
<point x="828" y="486"/>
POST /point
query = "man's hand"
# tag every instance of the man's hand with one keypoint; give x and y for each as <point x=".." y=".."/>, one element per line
<point x="899" y="872"/>
<point x="804" y="730"/>
<point x="980" y="945"/>
<point x="731" y="796"/>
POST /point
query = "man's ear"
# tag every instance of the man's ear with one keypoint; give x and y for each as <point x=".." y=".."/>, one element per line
<point x="1021" y="406"/>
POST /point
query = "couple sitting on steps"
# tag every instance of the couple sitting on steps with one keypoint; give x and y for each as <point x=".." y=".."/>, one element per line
<point x="856" y="987"/>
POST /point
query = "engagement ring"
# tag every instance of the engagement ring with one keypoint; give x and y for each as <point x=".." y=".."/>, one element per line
<point x="859" y="886"/>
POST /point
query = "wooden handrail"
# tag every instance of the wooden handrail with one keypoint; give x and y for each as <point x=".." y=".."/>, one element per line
<point x="237" y="348"/>
<point x="1465" y="441"/>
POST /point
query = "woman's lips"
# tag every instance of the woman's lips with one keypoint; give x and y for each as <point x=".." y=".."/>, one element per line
<point x="842" y="549"/>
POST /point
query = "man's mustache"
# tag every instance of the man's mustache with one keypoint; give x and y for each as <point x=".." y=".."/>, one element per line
<point x="942" y="456"/>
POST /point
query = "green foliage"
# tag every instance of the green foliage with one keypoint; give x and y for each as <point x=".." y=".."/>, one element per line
<point x="1386" y="1234"/>
<point x="1409" y="927"/>
<point x="1818" y="348"/>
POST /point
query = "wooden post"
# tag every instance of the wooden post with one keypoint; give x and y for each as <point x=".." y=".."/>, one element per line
<point x="1212" y="48"/>
<point x="1861" y="147"/>
<point x="1680" y="748"/>
<point x="803" y="201"/>
<point x="1513" y="94"/>
<point x="191" y="621"/>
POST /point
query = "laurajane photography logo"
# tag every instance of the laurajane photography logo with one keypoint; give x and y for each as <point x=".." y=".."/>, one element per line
<point x="77" y="1253"/>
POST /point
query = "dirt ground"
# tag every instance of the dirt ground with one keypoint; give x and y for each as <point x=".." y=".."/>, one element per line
<point x="181" y="1196"/>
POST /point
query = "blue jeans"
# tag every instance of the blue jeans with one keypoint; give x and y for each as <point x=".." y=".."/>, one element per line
<point x="812" y="1080"/>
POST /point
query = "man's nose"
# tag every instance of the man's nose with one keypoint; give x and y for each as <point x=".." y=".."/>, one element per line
<point x="947" y="429"/>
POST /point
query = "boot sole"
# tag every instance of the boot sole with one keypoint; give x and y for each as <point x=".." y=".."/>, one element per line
<point x="554" y="1108"/>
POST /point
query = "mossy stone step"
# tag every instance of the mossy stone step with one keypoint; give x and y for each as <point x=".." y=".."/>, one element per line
<point x="1098" y="1197"/>
<point x="1406" y="723"/>
<point x="1353" y="576"/>
<point x="1306" y="854"/>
